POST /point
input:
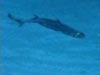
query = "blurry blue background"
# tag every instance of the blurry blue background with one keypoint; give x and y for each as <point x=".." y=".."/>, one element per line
<point x="35" y="50"/>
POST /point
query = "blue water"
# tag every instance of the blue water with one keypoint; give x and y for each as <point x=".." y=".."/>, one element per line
<point x="36" y="50"/>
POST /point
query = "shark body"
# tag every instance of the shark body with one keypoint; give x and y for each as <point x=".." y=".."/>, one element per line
<point x="55" y="25"/>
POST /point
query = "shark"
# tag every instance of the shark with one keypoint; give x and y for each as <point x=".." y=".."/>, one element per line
<point x="55" y="25"/>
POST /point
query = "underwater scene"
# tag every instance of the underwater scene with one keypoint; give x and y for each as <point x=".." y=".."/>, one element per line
<point x="50" y="37"/>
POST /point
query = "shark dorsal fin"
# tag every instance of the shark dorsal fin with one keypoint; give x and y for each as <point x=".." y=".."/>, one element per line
<point x="58" y="20"/>
<point x="35" y="17"/>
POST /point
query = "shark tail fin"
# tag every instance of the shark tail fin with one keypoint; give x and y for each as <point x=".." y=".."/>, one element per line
<point x="19" y="21"/>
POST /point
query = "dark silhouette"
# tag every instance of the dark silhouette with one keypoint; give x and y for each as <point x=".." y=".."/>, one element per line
<point x="51" y="24"/>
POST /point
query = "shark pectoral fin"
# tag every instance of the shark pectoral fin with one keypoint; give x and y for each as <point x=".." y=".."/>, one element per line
<point x="80" y="35"/>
